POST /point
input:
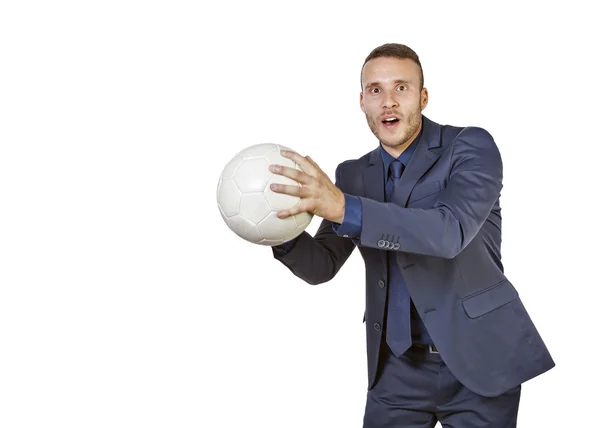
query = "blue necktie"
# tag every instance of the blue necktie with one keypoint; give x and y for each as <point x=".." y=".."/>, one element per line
<point x="398" y="334"/>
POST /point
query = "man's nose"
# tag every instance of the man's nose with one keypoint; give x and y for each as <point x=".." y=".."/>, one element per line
<point x="389" y="100"/>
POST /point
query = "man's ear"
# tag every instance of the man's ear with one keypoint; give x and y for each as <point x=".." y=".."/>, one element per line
<point x="424" y="98"/>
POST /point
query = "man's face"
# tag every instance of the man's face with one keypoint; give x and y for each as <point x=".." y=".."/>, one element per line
<point x="392" y="100"/>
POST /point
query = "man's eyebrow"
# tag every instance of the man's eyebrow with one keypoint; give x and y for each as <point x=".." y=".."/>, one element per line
<point x="406" y="82"/>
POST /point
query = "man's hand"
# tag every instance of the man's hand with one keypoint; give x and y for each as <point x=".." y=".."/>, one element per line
<point x="318" y="193"/>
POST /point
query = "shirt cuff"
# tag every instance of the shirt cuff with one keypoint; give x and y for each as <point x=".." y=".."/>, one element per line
<point x="351" y="227"/>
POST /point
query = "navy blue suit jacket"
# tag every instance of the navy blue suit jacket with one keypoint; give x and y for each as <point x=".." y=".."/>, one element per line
<point x="446" y="236"/>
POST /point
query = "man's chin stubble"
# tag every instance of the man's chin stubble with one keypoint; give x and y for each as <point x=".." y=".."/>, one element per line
<point x="394" y="144"/>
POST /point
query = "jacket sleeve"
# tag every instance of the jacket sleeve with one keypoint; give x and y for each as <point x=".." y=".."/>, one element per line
<point x="457" y="216"/>
<point x="316" y="259"/>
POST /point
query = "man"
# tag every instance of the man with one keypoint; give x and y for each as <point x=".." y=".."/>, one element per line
<point x="448" y="337"/>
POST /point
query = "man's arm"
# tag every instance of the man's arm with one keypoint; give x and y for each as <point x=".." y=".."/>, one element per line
<point x="442" y="231"/>
<point x="458" y="214"/>
<point x="316" y="260"/>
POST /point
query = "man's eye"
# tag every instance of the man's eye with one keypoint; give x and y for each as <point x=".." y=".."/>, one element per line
<point x="374" y="90"/>
<point x="401" y="88"/>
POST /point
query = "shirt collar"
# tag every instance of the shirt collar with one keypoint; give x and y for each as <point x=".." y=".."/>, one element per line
<point x="404" y="157"/>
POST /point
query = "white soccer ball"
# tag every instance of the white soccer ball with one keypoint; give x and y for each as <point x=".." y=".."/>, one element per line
<point x="247" y="203"/>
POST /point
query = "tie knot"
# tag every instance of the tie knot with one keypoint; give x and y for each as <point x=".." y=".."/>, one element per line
<point x="397" y="168"/>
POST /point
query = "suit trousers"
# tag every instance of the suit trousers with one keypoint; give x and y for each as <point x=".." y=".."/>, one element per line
<point x="417" y="390"/>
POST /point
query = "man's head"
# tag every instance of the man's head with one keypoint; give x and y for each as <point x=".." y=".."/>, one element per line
<point x="393" y="94"/>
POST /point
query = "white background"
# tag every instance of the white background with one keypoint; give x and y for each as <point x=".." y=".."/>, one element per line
<point x="124" y="299"/>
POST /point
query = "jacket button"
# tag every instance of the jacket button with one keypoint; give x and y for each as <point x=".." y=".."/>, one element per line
<point x="381" y="243"/>
<point x="381" y="283"/>
<point x="376" y="326"/>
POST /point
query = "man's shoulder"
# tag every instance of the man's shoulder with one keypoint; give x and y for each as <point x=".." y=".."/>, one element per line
<point x="451" y="133"/>
<point x="349" y="170"/>
<point x="363" y="161"/>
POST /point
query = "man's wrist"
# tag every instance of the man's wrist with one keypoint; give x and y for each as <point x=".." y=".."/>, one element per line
<point x="341" y="210"/>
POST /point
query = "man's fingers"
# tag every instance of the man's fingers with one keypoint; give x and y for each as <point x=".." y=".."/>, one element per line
<point x="315" y="165"/>
<point x="301" y="192"/>
<point x="286" y="213"/>
<point x="306" y="166"/>
<point x="293" y="173"/>
<point x="292" y="211"/>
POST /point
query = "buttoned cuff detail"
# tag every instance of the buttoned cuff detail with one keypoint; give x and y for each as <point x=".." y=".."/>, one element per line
<point x="387" y="245"/>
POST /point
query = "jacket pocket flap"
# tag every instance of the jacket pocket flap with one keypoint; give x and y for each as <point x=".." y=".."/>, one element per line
<point x="489" y="299"/>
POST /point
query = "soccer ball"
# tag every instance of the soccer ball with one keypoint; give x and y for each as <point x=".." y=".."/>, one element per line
<point x="247" y="203"/>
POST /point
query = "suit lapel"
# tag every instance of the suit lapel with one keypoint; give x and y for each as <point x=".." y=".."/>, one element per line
<point x="373" y="177"/>
<point x="420" y="162"/>
<point x="373" y="185"/>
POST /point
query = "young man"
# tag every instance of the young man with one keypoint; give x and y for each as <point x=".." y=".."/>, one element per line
<point x="448" y="338"/>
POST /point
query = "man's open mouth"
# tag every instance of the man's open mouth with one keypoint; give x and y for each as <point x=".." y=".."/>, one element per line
<point x="390" y="122"/>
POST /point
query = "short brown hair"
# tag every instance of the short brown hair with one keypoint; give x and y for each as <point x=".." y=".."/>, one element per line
<point x="394" y="50"/>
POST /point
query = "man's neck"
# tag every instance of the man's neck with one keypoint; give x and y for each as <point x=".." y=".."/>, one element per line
<point x="396" y="151"/>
